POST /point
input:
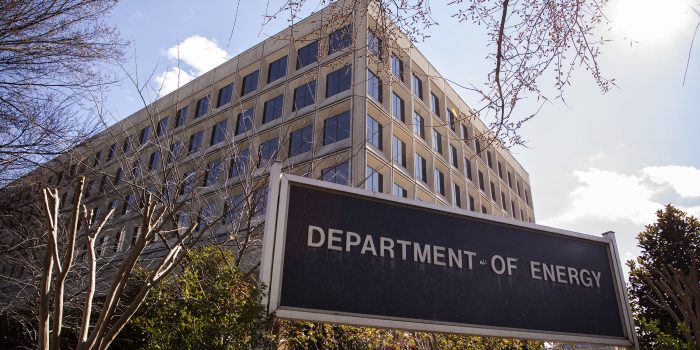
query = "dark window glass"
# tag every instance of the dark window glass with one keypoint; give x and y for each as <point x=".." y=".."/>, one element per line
<point x="144" y="135"/>
<point x="118" y="176"/>
<point x="478" y="146"/>
<point x="398" y="151"/>
<point x="196" y="142"/>
<point x="250" y="83"/>
<point x="336" y="128"/>
<point x="340" y="39"/>
<point x="277" y="69"/>
<point x="307" y="55"/>
<point x="510" y="180"/>
<point x="397" y="67"/>
<point x="245" y="121"/>
<point x="126" y="147"/>
<point x="304" y="95"/>
<point x="512" y="209"/>
<point x="500" y="170"/>
<point x="434" y="104"/>
<point x="225" y="94"/>
<point x="202" y="107"/>
<point x="472" y="205"/>
<point x="484" y="210"/>
<point x="103" y="184"/>
<point x="397" y="108"/>
<point x="212" y="173"/>
<point x="468" y="168"/>
<point x="374" y="44"/>
<point x="273" y="109"/>
<point x="267" y="151"/>
<point x="136" y="169"/>
<point x="451" y="120"/>
<point x="465" y="134"/>
<point x="400" y="191"/>
<point x="417" y="86"/>
<point x="233" y="209"/>
<point x="128" y="202"/>
<point x="110" y="155"/>
<point x="503" y="201"/>
<point x="421" y="170"/>
<point x="181" y="117"/>
<point x="374" y="132"/>
<point x="456" y="195"/>
<point x="339" y="174"/>
<point x="338" y="81"/>
<point x="493" y="191"/>
<point x="489" y="160"/>
<point x="88" y="187"/>
<point x="218" y="132"/>
<point x="187" y="182"/>
<point x="437" y="141"/>
<point x="374" y="180"/>
<point x="418" y="125"/>
<point x="439" y="182"/>
<point x="374" y="86"/>
<point x="481" y="181"/>
<point x="453" y="157"/>
<point x="154" y="161"/>
<point x="175" y="151"/>
<point x="300" y="141"/>
<point x="98" y="156"/>
<point x="205" y="216"/>
<point x="162" y="127"/>
<point x="239" y="163"/>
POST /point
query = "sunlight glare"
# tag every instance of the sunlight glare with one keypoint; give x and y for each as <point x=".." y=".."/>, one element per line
<point x="648" y="20"/>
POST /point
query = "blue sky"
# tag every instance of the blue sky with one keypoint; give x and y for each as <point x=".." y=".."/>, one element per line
<point x="597" y="163"/>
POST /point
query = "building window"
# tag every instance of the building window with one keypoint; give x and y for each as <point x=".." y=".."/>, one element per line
<point x="187" y="182"/>
<point x="336" y="128"/>
<point x="128" y="203"/>
<point x="117" y="177"/>
<point x="181" y="117"/>
<point x="417" y="86"/>
<point x="456" y="195"/>
<point x="512" y="209"/>
<point x="267" y="151"/>
<point x="434" y="104"/>
<point x="527" y="198"/>
<point x="98" y="156"/>
<point x="397" y="107"/>
<point x="225" y="94"/>
<point x="338" y="81"/>
<point x="307" y="55"/>
<point x="239" y="163"/>
<point x="273" y="109"/>
<point x="374" y="132"/>
<point x="468" y="169"/>
<point x="517" y="183"/>
<point x="489" y="160"/>
<point x="110" y="154"/>
<point x="398" y="151"/>
<point x="250" y="83"/>
<point x="233" y="209"/>
<point x="374" y="86"/>
<point x="418" y="125"/>
<point x="195" y="142"/>
<point x="162" y="127"/>
<point x="503" y="200"/>
<point x="126" y="147"/>
<point x="212" y="173"/>
<point x="421" y="168"/>
<point x="451" y="120"/>
<point x="439" y="182"/>
<point x="144" y="135"/>
<point x="481" y="181"/>
<point x="277" y="69"/>
<point x="465" y="134"/>
<point x="510" y="180"/>
<point x="397" y="67"/>
<point x="88" y="187"/>
<point x="245" y="121"/>
<point x="500" y="170"/>
<point x="205" y="216"/>
<point x="472" y="205"/>
<point x="477" y="145"/>
<point x="338" y="174"/>
<point x="218" y="132"/>
<point x="154" y="161"/>
<point x="340" y="39"/>
<point x="493" y="191"/>
<point x="437" y="141"/>
<point x="374" y="181"/>
<point x="300" y="141"/>
<point x="136" y="169"/>
<point x="175" y="151"/>
<point x="374" y="44"/>
<point x="202" y="107"/>
<point x="484" y="210"/>
<point x="400" y="191"/>
<point x="103" y="184"/>
<point x="304" y="95"/>
<point x="453" y="157"/>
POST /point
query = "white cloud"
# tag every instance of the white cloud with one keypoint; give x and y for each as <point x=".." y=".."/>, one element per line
<point x="198" y="52"/>
<point x="613" y="196"/>
<point x="170" y="80"/>
<point x="685" y="180"/>
<point x="196" y="55"/>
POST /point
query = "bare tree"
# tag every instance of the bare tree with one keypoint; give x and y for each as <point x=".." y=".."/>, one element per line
<point x="52" y="54"/>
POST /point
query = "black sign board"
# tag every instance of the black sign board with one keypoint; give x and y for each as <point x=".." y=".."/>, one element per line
<point x="350" y="256"/>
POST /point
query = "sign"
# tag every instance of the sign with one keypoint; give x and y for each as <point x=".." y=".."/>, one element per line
<point x="346" y="255"/>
